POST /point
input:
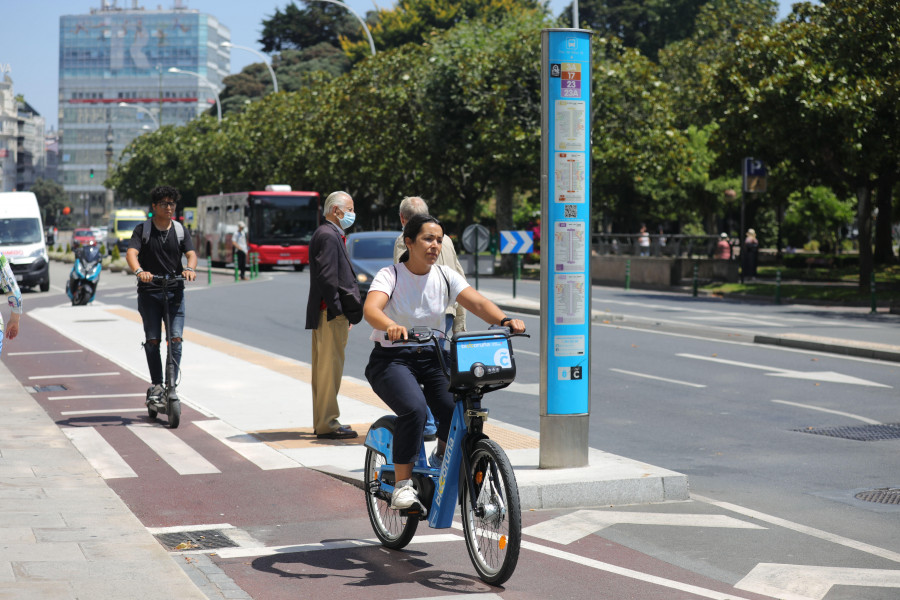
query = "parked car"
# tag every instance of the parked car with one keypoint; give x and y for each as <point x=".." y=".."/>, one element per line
<point x="82" y="237"/>
<point x="370" y="251"/>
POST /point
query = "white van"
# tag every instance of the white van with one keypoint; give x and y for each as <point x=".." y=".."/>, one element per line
<point x="22" y="239"/>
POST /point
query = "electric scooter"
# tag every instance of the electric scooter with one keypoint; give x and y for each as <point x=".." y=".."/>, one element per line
<point x="85" y="275"/>
<point x="167" y="404"/>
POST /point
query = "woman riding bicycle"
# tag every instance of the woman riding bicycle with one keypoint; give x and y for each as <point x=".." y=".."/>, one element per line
<point x="416" y="293"/>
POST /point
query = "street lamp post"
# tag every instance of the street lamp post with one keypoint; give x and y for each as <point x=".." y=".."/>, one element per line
<point x="207" y="82"/>
<point x="141" y="109"/>
<point x="259" y="54"/>
<point x="358" y="18"/>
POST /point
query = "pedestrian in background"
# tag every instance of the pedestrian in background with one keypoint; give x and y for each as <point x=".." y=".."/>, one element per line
<point x="156" y="248"/>
<point x="9" y="287"/>
<point x="455" y="315"/>
<point x="751" y="254"/>
<point x="644" y="241"/>
<point x="333" y="307"/>
<point x="723" y="248"/>
<point x="239" y="243"/>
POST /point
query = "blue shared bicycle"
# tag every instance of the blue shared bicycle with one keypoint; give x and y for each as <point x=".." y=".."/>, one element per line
<point x="475" y="472"/>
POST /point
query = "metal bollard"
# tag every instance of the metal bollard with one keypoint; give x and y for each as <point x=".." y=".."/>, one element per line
<point x="254" y="265"/>
<point x="628" y="274"/>
<point x="208" y="271"/>
<point x="872" y="287"/>
<point x="696" y="282"/>
<point x="235" y="261"/>
<point x="778" y="286"/>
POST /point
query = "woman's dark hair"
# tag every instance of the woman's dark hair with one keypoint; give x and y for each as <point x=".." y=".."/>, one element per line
<point x="413" y="227"/>
<point x="161" y="192"/>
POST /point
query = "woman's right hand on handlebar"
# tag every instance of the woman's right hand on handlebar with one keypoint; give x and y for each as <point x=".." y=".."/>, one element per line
<point x="396" y="332"/>
<point x="516" y="326"/>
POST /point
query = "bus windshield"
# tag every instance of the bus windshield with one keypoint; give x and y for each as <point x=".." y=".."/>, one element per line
<point x="285" y="220"/>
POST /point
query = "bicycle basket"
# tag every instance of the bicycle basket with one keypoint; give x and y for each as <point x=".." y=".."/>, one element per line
<point x="481" y="358"/>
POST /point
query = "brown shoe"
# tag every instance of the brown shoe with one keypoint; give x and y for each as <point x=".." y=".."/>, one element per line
<point x="341" y="433"/>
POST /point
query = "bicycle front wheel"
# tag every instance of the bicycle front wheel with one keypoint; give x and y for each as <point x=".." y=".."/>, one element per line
<point x="493" y="524"/>
<point x="392" y="529"/>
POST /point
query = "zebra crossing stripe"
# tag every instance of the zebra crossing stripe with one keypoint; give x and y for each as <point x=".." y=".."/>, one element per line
<point x="251" y="448"/>
<point x="172" y="449"/>
<point x="102" y="456"/>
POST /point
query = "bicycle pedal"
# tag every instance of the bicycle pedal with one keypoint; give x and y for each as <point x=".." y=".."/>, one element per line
<point x="415" y="510"/>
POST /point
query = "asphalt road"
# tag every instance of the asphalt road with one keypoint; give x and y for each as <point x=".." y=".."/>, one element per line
<point x="691" y="394"/>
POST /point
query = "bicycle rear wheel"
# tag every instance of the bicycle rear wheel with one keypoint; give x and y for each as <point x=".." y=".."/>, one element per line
<point x="493" y="525"/>
<point x="392" y="529"/>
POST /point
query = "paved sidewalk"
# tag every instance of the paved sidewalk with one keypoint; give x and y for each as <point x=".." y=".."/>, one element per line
<point x="64" y="534"/>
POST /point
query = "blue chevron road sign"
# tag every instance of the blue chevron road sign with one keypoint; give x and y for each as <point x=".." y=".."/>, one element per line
<point x="516" y="242"/>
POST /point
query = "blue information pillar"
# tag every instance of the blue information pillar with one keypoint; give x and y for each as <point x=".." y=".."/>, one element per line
<point x="565" y="247"/>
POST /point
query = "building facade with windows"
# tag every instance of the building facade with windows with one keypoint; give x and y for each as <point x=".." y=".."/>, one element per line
<point x="121" y="56"/>
<point x="22" y="149"/>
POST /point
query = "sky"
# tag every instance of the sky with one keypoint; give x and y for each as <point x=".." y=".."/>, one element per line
<point x="29" y="37"/>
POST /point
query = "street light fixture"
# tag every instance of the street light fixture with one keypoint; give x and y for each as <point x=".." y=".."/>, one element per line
<point x="141" y="109"/>
<point x="358" y="18"/>
<point x="207" y="82"/>
<point x="259" y="54"/>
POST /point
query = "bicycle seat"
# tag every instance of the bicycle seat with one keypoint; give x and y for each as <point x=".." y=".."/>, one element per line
<point x="481" y="360"/>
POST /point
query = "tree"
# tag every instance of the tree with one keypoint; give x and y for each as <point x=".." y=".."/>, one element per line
<point x="416" y="21"/>
<point x="51" y="199"/>
<point x="816" y="213"/>
<point x="317" y="22"/>
<point x="820" y="91"/>
<point x="648" y="25"/>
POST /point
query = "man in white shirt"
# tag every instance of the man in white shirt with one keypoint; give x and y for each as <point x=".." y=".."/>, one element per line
<point x="239" y="242"/>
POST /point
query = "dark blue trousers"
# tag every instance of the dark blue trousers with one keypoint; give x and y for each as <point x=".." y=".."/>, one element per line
<point x="396" y="374"/>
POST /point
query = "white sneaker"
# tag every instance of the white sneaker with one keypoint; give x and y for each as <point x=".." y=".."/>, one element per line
<point x="405" y="496"/>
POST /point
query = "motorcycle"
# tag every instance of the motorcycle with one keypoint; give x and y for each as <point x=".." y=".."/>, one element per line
<point x="85" y="275"/>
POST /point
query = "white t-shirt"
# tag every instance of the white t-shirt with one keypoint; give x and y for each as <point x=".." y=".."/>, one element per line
<point x="416" y="300"/>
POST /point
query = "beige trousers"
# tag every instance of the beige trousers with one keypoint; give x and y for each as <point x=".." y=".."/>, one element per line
<point x="328" y="343"/>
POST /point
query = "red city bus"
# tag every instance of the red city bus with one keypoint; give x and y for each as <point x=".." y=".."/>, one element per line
<point x="280" y="224"/>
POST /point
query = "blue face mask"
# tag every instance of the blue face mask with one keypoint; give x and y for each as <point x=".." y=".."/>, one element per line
<point x="347" y="220"/>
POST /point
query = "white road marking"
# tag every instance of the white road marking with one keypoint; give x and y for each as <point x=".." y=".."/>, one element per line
<point x="337" y="545"/>
<point x="172" y="449"/>
<point x="88" y="396"/>
<point x="74" y="375"/>
<point x="100" y="411"/>
<point x="805" y="582"/>
<point x="532" y="389"/>
<point x="828" y="410"/>
<point x="829" y="376"/>
<point x="529" y="352"/>
<point x="259" y="453"/>
<point x="811" y="531"/>
<point x="102" y="456"/>
<point x="44" y="352"/>
<point x="617" y="570"/>
<point x="188" y="528"/>
<point x="644" y="375"/>
<point x="831" y="355"/>
<point x="582" y="523"/>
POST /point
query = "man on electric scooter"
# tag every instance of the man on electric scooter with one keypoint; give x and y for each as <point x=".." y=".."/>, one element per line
<point x="156" y="248"/>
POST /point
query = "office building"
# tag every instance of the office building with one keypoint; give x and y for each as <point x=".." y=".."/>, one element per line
<point x="122" y="55"/>
<point x="22" y="149"/>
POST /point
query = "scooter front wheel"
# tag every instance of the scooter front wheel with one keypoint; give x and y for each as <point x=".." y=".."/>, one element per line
<point x="493" y="524"/>
<point x="392" y="529"/>
<point x="174" y="413"/>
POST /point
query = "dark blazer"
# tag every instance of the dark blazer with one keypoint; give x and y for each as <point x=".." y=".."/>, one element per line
<point x="331" y="278"/>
